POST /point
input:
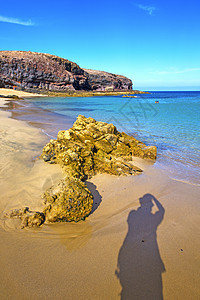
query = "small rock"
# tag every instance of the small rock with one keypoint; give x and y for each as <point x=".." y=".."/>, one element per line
<point x="28" y="218"/>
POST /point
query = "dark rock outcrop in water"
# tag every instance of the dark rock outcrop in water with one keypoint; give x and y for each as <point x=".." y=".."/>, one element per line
<point x="31" y="70"/>
<point x="88" y="148"/>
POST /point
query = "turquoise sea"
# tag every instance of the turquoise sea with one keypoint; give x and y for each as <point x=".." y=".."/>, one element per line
<point x="172" y="125"/>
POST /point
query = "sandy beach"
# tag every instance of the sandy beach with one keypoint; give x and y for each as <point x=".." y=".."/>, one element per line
<point x="141" y="241"/>
<point x="21" y="94"/>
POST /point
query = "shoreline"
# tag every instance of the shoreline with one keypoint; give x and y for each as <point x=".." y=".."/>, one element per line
<point x="95" y="93"/>
<point x="72" y="253"/>
<point x="51" y="122"/>
<point x="75" y="93"/>
<point x="21" y="146"/>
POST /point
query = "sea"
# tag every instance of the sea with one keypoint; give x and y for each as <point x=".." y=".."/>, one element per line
<point x="172" y="124"/>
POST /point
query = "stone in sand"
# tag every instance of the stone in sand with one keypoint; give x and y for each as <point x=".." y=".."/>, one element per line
<point x="88" y="148"/>
<point x="28" y="218"/>
<point x="69" y="200"/>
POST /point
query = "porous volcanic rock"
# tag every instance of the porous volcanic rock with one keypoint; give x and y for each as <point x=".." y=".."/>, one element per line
<point x="32" y="70"/>
<point x="86" y="149"/>
<point x="92" y="147"/>
<point x="28" y="218"/>
<point x="69" y="200"/>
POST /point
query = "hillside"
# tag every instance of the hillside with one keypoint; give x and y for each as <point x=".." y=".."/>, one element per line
<point x="32" y="70"/>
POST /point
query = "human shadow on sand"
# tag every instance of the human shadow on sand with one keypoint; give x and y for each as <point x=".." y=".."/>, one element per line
<point x="140" y="266"/>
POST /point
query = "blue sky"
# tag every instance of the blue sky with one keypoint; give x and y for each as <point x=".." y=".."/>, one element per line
<point x="155" y="43"/>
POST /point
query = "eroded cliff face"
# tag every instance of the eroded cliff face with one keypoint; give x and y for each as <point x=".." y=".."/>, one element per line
<point x="104" y="81"/>
<point x="32" y="70"/>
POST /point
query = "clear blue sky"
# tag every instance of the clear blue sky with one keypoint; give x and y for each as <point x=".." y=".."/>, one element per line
<point x="155" y="43"/>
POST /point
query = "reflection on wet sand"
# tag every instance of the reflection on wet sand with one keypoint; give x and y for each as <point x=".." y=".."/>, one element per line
<point x="139" y="263"/>
<point x="49" y="122"/>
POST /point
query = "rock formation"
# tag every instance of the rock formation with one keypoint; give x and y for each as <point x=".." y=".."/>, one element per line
<point x="31" y="70"/>
<point x="28" y="218"/>
<point x="104" y="81"/>
<point x="88" y="148"/>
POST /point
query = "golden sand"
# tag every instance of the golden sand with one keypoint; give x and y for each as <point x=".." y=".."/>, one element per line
<point x="9" y="92"/>
<point x="141" y="241"/>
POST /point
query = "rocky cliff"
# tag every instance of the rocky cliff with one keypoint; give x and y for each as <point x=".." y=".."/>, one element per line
<point x="104" y="81"/>
<point x="31" y="70"/>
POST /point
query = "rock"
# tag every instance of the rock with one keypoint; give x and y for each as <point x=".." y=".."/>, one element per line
<point x="33" y="71"/>
<point x="69" y="201"/>
<point x="90" y="143"/>
<point x="2" y="84"/>
<point x="28" y="218"/>
<point x="86" y="149"/>
<point x="108" y="82"/>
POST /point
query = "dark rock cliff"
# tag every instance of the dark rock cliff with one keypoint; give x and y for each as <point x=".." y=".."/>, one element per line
<point x="31" y="70"/>
<point x="104" y="81"/>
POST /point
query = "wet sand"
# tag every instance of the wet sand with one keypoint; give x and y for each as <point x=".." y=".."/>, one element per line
<point x="140" y="242"/>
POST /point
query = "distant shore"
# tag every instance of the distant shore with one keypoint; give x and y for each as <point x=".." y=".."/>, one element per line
<point x="94" y="93"/>
<point x="11" y="93"/>
<point x="61" y="259"/>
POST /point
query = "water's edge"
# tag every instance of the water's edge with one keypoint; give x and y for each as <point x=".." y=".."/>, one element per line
<point x="51" y="119"/>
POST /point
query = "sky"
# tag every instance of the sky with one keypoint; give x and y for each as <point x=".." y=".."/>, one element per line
<point x="155" y="43"/>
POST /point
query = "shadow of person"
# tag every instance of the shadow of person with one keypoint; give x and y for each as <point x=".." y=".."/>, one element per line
<point x="139" y="263"/>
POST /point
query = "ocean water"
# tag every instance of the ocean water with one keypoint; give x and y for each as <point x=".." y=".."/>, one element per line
<point x="172" y="125"/>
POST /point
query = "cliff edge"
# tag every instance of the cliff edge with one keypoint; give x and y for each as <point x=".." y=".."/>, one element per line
<point x="32" y="70"/>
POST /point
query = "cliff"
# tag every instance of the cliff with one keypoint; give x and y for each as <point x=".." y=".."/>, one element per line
<point x="104" y="81"/>
<point x="32" y="70"/>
